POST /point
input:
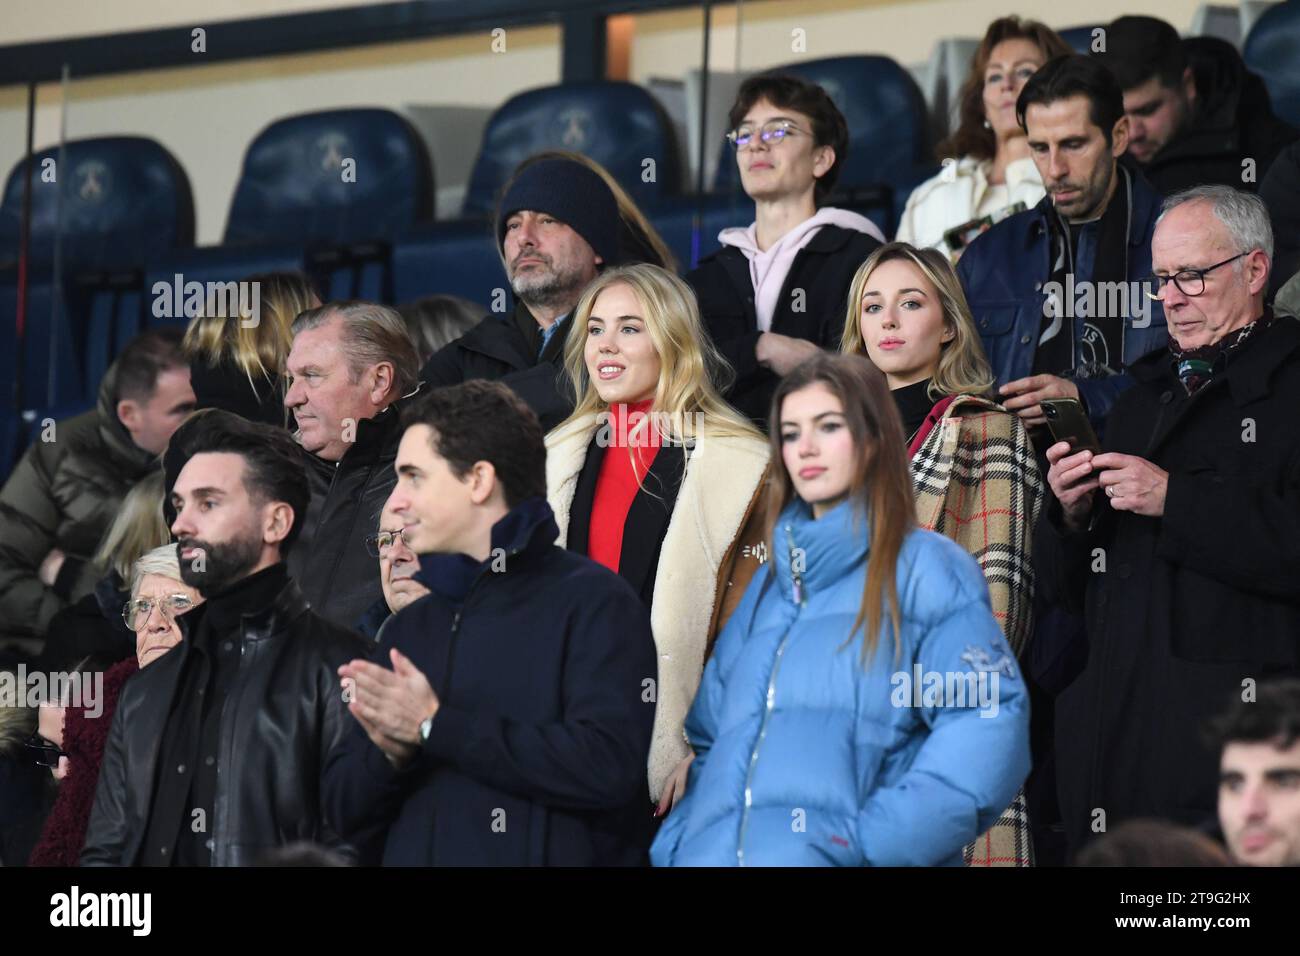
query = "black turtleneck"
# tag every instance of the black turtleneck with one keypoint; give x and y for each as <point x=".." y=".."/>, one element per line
<point x="914" y="403"/>
<point x="185" y="790"/>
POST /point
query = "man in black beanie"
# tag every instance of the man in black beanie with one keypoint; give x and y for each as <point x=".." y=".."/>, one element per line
<point x="557" y="226"/>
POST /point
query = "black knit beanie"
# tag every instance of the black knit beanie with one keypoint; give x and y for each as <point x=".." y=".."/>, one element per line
<point x="573" y="194"/>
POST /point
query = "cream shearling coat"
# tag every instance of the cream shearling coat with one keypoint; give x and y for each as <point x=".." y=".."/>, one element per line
<point x="720" y="480"/>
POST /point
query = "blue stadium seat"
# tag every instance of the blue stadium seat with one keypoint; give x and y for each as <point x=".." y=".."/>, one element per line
<point x="341" y="184"/>
<point x="101" y="210"/>
<point x="1080" y="38"/>
<point x="119" y="200"/>
<point x="1272" y="50"/>
<point x="620" y="125"/>
<point x="158" y="306"/>
<point x="449" y="258"/>
<point x="675" y="221"/>
<point x="888" y="135"/>
<point x="337" y="177"/>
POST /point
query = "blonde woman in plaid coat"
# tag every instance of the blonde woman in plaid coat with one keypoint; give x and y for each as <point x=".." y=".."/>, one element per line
<point x="973" y="467"/>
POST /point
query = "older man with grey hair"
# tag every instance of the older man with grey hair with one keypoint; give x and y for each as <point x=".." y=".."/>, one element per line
<point x="351" y="365"/>
<point x="1183" y="533"/>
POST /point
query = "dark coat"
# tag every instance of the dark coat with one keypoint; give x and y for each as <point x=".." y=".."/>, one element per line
<point x="1233" y="121"/>
<point x="823" y="270"/>
<point x="283" y="716"/>
<point x="338" y="576"/>
<point x="503" y="347"/>
<point x="226" y="386"/>
<point x="90" y="628"/>
<point x="63" y="494"/>
<point x="537" y="753"/>
<point x="1280" y="191"/>
<point x="1189" y="605"/>
<point x="84" y="737"/>
<point x="1003" y="272"/>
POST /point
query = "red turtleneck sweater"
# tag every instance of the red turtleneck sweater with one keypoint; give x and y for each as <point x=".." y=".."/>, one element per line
<point x="619" y="481"/>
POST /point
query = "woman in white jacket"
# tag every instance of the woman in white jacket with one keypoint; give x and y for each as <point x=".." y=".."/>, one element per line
<point x="657" y="478"/>
<point x="986" y="163"/>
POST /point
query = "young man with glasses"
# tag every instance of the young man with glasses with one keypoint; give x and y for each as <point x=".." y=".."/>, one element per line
<point x="215" y="751"/>
<point x="1183" y="536"/>
<point x="774" y="294"/>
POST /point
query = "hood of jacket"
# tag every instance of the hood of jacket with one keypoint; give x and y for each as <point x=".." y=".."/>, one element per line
<point x="745" y="238"/>
<point x="132" y="460"/>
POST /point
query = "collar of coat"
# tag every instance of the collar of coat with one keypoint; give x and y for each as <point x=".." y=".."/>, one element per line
<point x="259" y="624"/>
<point x="719" y="483"/>
<point x="526" y="529"/>
<point x="1144" y="206"/>
<point x="1250" y="372"/>
<point x="500" y="336"/>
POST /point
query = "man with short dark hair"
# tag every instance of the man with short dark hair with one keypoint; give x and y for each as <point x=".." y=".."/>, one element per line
<point x="1182" y="537"/>
<point x="505" y="718"/>
<point x="1259" y="775"/>
<point x="557" y="226"/>
<point x="351" y="366"/>
<point x="215" y="751"/>
<point x="1056" y="290"/>
<point x="1196" y="114"/>
<point x="67" y="487"/>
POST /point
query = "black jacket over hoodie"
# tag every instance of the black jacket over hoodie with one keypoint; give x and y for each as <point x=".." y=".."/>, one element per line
<point x="823" y="270"/>
<point x="1233" y="121"/>
<point x="542" y="662"/>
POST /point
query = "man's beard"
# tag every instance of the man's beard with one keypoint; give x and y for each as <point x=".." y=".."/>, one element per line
<point x="554" y="287"/>
<point x="222" y="564"/>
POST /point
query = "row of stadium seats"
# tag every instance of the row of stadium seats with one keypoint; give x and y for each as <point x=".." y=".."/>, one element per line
<point x="347" y="196"/>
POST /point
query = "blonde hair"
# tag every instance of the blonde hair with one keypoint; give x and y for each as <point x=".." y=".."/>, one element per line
<point x="686" y="402"/>
<point x="258" y="350"/>
<point x="963" y="368"/>
<point x="632" y="219"/>
<point x="162" y="561"/>
<point x="138" y="528"/>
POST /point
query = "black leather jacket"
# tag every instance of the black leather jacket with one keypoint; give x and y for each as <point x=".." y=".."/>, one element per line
<point x="284" y="714"/>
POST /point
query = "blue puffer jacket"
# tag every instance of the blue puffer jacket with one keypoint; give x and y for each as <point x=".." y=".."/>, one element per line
<point x="805" y="757"/>
<point x="1003" y="274"/>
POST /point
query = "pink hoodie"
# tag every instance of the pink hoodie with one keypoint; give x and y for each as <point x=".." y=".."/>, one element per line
<point x="768" y="269"/>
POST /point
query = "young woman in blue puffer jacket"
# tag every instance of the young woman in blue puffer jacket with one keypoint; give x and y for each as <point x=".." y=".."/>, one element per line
<point x="814" y="744"/>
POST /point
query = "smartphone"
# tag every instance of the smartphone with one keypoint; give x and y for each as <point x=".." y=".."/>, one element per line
<point x="959" y="237"/>
<point x="1068" y="422"/>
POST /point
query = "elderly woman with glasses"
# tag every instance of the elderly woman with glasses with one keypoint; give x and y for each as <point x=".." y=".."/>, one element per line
<point x="772" y="296"/>
<point x="73" y="737"/>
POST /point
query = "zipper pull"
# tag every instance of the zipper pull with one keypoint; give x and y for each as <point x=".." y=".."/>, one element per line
<point x="795" y="573"/>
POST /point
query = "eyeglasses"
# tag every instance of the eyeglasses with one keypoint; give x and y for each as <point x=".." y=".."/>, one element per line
<point x="379" y="544"/>
<point x="136" y="613"/>
<point x="45" y="754"/>
<point x="770" y="133"/>
<point x="1190" y="282"/>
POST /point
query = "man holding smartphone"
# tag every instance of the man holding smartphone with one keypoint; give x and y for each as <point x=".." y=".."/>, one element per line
<point x="1183" y="534"/>
<point x="1045" y="285"/>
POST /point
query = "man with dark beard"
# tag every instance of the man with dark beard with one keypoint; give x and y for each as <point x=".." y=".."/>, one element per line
<point x="248" y="705"/>
<point x="557" y="226"/>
